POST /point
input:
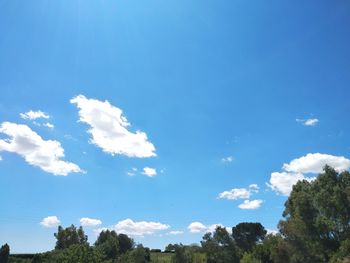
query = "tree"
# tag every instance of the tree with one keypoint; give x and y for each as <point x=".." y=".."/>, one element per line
<point x="317" y="217"/>
<point x="220" y="247"/>
<point x="4" y="253"/>
<point x="137" y="255"/>
<point x="246" y="235"/>
<point x="70" y="236"/>
<point x="108" y="243"/>
<point x="125" y="243"/>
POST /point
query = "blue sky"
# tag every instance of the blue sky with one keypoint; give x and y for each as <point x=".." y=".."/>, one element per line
<point x="229" y="103"/>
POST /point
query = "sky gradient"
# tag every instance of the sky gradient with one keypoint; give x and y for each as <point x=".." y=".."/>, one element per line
<point x="160" y="119"/>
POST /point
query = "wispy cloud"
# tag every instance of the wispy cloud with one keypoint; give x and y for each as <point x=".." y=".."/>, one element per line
<point x="90" y="222"/>
<point x="227" y="159"/>
<point x="33" y="115"/>
<point x="239" y="193"/>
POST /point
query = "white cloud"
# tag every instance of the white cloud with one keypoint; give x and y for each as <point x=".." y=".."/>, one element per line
<point x="50" y="222"/>
<point x="45" y="154"/>
<point x="308" y="122"/>
<point x="176" y="232"/>
<point x="49" y="125"/>
<point x="108" y="128"/>
<point x="150" y="172"/>
<point x="239" y="193"/>
<point x="0" y="158"/>
<point x="283" y="182"/>
<point x="132" y="172"/>
<point x="129" y="227"/>
<point x="251" y="205"/>
<point x="33" y="115"/>
<point x="227" y="159"/>
<point x="196" y="227"/>
<point x="314" y="163"/>
<point x="85" y="221"/>
<point x="271" y="231"/>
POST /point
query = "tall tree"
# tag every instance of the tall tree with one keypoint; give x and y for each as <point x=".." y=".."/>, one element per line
<point x="317" y="217"/>
<point x="70" y="236"/>
<point x="247" y="235"/>
<point x="108" y="243"/>
<point x="4" y="253"/>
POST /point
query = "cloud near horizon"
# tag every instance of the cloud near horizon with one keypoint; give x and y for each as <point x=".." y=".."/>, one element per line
<point x="45" y="154"/>
<point x="312" y="163"/>
<point x="109" y="129"/>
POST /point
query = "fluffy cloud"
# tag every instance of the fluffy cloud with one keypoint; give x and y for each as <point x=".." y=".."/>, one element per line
<point x="312" y="163"/>
<point x="239" y="193"/>
<point x="108" y="128"/>
<point x="50" y="222"/>
<point x="176" y="232"/>
<point x="85" y="221"/>
<point x="227" y="159"/>
<point x="150" y="172"/>
<point x="129" y="227"/>
<point x="196" y="227"/>
<point x="33" y="115"/>
<point x="251" y="205"/>
<point x="45" y="154"/>
<point x="308" y="122"/>
<point x="283" y="182"/>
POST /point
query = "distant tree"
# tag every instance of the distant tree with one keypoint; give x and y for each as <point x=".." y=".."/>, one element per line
<point x="220" y="247"/>
<point x="317" y="218"/>
<point x="108" y="243"/>
<point x="182" y="254"/>
<point x="4" y="253"/>
<point x="170" y="248"/>
<point x="246" y="235"/>
<point x="77" y="253"/>
<point x="70" y="236"/>
<point x="137" y="255"/>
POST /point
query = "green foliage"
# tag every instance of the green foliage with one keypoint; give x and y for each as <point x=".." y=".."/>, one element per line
<point x="4" y="253"/>
<point x="317" y="216"/>
<point x="249" y="258"/>
<point x="220" y="247"/>
<point x="108" y="243"/>
<point x="137" y="255"/>
<point x="246" y="235"/>
<point x="125" y="243"/>
<point x="70" y="236"/>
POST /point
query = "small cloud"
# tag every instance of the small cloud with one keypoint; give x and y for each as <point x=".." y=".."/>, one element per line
<point x="50" y="222"/>
<point x="271" y="231"/>
<point x="129" y="227"/>
<point x="196" y="227"/>
<point x="1" y="158"/>
<point x="250" y="205"/>
<point x="33" y="115"/>
<point x="308" y="122"/>
<point x="176" y="232"/>
<point x="239" y="193"/>
<point x="227" y="159"/>
<point x="132" y="172"/>
<point x="85" y="221"/>
<point x="49" y="125"/>
<point x="150" y="172"/>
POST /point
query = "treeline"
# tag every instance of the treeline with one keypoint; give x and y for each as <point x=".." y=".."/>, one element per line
<point x="315" y="229"/>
